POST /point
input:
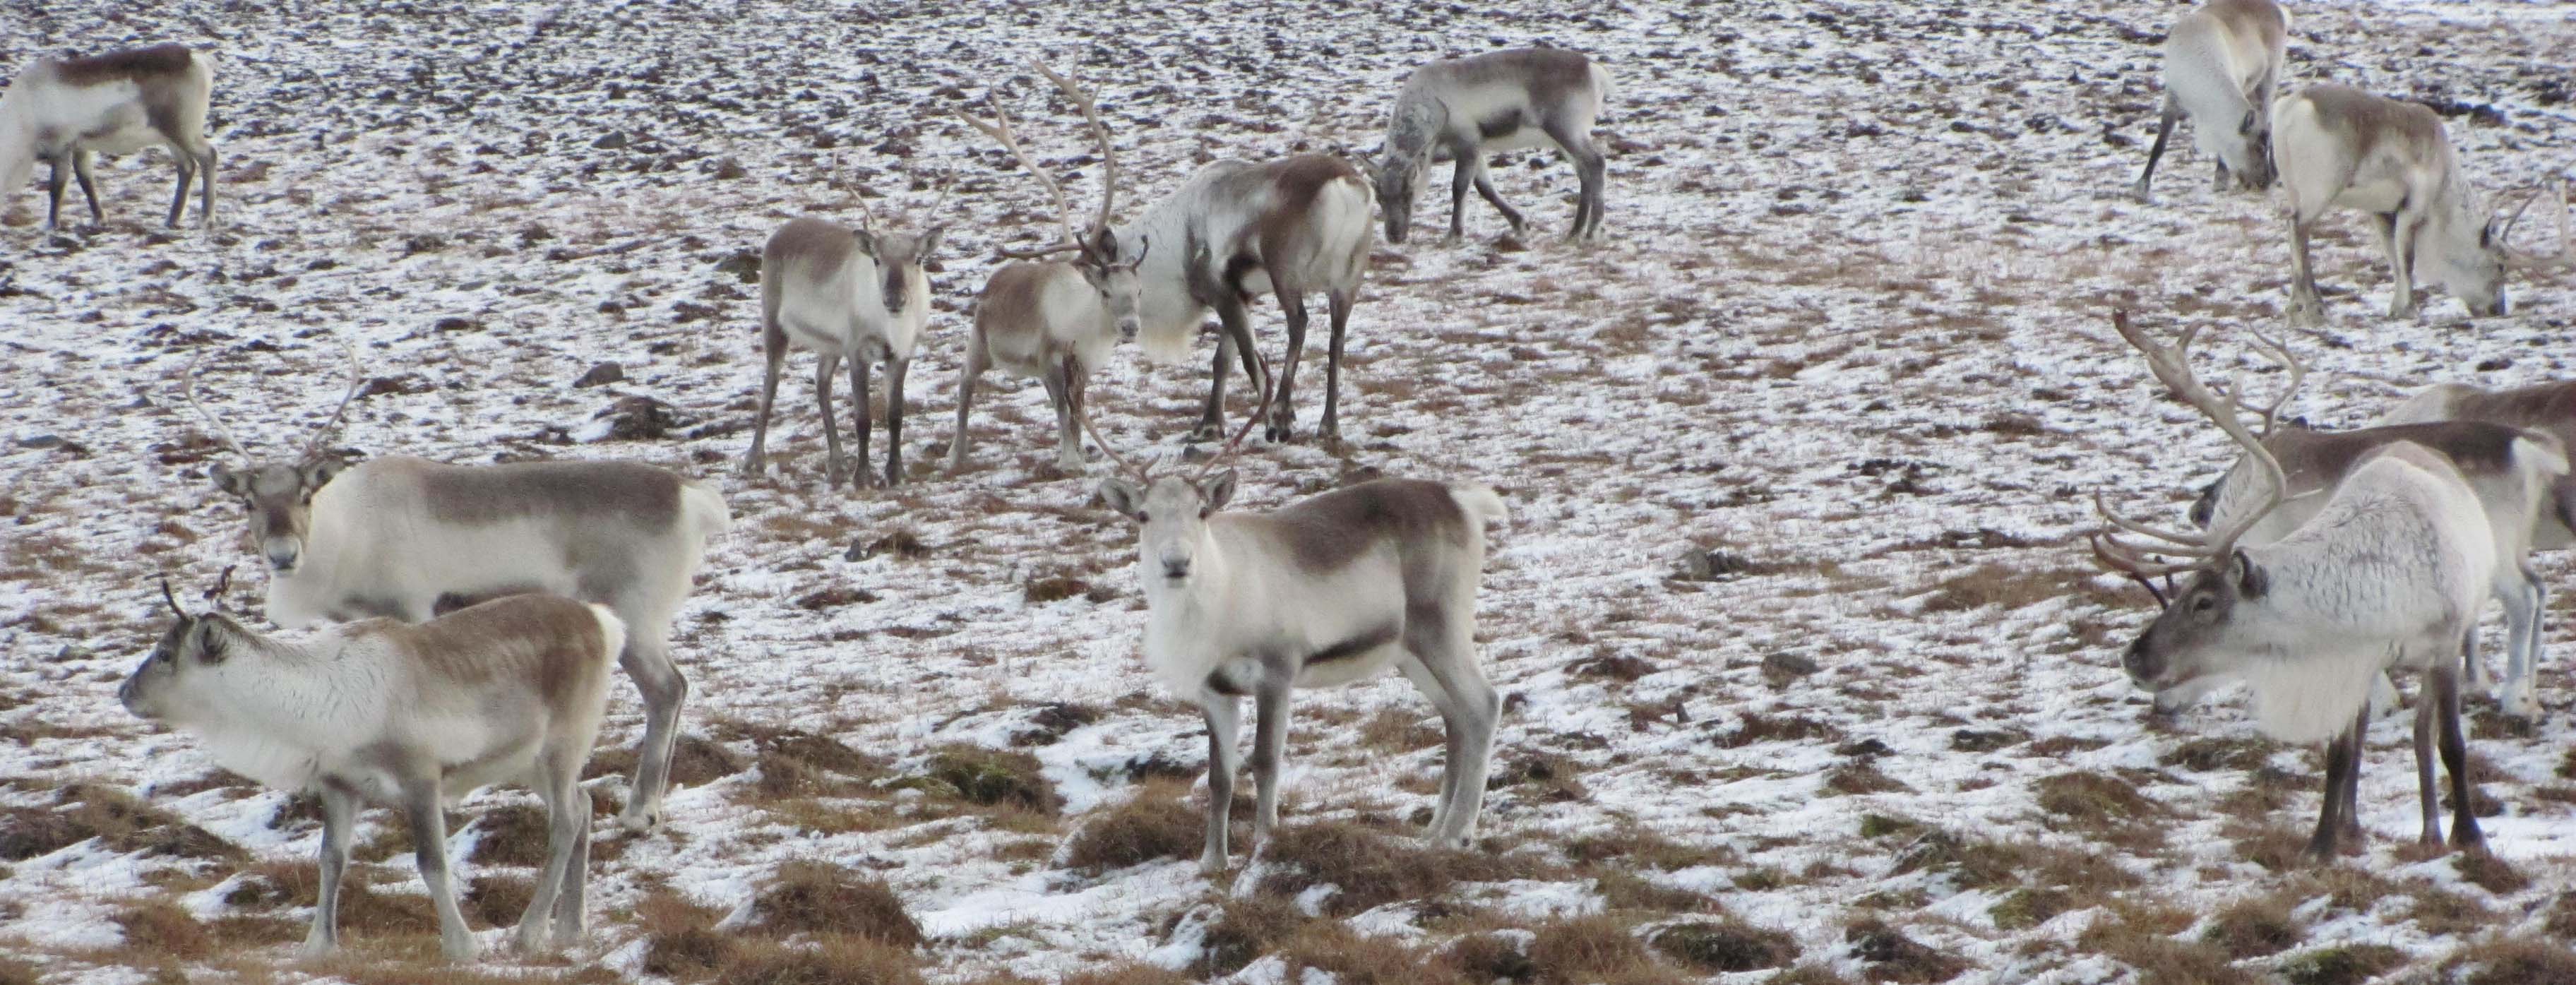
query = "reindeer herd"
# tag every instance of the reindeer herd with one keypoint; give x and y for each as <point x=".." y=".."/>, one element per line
<point x="467" y="614"/>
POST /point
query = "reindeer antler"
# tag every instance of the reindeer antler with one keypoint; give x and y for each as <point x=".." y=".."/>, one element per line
<point x="188" y="391"/>
<point x="1239" y="433"/>
<point x="2298" y="374"/>
<point x="1082" y="414"/>
<point x="2172" y="367"/>
<point x="2566" y="255"/>
<point x="214" y="596"/>
<point x="1001" y="133"/>
<point x="167" y="596"/>
<point x="330" y="428"/>
<point x="1099" y="134"/>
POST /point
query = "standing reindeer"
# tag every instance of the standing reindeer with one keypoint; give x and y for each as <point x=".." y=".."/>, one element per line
<point x="2221" y="64"/>
<point x="1332" y="590"/>
<point x="1467" y="108"/>
<point x="1055" y="320"/>
<point x="64" y="111"/>
<point x="2341" y="146"/>
<point x="1233" y="231"/>
<point x="404" y="538"/>
<point x="2388" y="572"/>
<point x="415" y="717"/>
<point x="841" y="292"/>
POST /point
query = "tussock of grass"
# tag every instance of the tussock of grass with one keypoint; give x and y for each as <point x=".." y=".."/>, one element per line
<point x="1370" y="869"/>
<point x="1360" y="959"/>
<point x="2485" y="871"/>
<point x="832" y="960"/>
<point x="510" y="834"/>
<point x="808" y="897"/>
<point x="363" y="911"/>
<point x="987" y="776"/>
<point x="83" y="811"/>
<point x="1487" y="958"/>
<point x="2143" y="940"/>
<point x="2025" y="908"/>
<point x="680" y="939"/>
<point x="2530" y="960"/>
<point x="497" y="901"/>
<point x="2252" y="928"/>
<point x="2207" y="753"/>
<point x="794" y="763"/>
<point x="2351" y="965"/>
<point x="1245" y="929"/>
<point x="1555" y="779"/>
<point x="1584" y="950"/>
<point x="163" y="929"/>
<point x="1154" y="822"/>
<point x="695" y="762"/>
<point x="1894" y="957"/>
<point x="1725" y="945"/>
<point x="1757" y="727"/>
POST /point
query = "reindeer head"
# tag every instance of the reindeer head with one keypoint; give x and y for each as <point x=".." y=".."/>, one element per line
<point x="898" y="255"/>
<point x="2209" y="616"/>
<point x="1095" y="249"/>
<point x="2254" y="168"/>
<point x="1172" y="511"/>
<point x="160" y="687"/>
<point x="2477" y="275"/>
<point x="1398" y="183"/>
<point x="278" y="495"/>
<point x="1121" y="291"/>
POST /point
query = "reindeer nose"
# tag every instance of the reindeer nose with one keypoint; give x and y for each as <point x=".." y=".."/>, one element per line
<point x="125" y="694"/>
<point x="1176" y="570"/>
<point x="2135" y="661"/>
<point x="1127" y="329"/>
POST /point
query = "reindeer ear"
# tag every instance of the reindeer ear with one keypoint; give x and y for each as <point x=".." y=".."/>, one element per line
<point x="228" y="480"/>
<point x="1122" y="495"/>
<point x="1218" y="489"/>
<point x="867" y="240"/>
<point x="212" y="647"/>
<point x="319" y="469"/>
<point x="2250" y="580"/>
<point x="2248" y="125"/>
<point x="929" y="242"/>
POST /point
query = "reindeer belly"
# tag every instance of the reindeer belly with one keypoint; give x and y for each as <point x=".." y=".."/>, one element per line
<point x="122" y="135"/>
<point x="2375" y="194"/>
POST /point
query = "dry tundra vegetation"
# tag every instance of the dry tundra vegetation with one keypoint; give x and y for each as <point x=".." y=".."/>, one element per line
<point x="1808" y="680"/>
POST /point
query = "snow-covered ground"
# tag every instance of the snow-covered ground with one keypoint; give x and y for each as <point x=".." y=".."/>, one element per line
<point x="1847" y="326"/>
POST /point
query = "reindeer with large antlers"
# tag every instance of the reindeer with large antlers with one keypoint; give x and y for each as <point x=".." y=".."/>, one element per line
<point x="858" y="294"/>
<point x="2388" y="572"/>
<point x="1289" y="227"/>
<point x="405" y="537"/>
<point x="1334" y="589"/>
<point x="1054" y="320"/>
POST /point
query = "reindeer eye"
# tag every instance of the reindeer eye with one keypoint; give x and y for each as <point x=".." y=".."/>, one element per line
<point x="1203" y="512"/>
<point x="2203" y="604"/>
<point x="1144" y="517"/>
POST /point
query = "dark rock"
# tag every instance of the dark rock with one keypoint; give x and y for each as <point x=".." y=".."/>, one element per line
<point x="1788" y="665"/>
<point x="639" y="418"/>
<point x="600" y="375"/>
<point x="744" y="265"/>
<point x="613" y="140"/>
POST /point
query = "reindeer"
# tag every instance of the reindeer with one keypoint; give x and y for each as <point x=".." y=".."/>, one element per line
<point x="2388" y="572"/>
<point x="64" y="111"/>
<point x="2341" y="146"/>
<point x="1331" y="590"/>
<point x="2221" y="64"/>
<point x="415" y="717"/>
<point x="1288" y="227"/>
<point x="1467" y="108"/>
<point x="403" y="537"/>
<point x="842" y="292"/>
<point x="1057" y="319"/>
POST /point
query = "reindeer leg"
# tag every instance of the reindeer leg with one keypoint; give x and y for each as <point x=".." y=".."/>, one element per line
<point x="1225" y="726"/>
<point x="895" y="371"/>
<point x="2306" y="308"/>
<point x="1590" y="167"/>
<point x="2523" y="612"/>
<point x="567" y="812"/>
<point x="1485" y="190"/>
<point x="2164" y="130"/>
<point x="1212" y="419"/>
<point x="1461" y="178"/>
<point x="188" y="164"/>
<point x="2445" y="702"/>
<point x="2432" y="802"/>
<point x="422" y="804"/>
<point x="647" y="660"/>
<point x="206" y="179"/>
<point x="54" y="181"/>
<point x="1283" y="406"/>
<point x="2342" y="756"/>
<point x="1059" y="388"/>
<point x="1269" y="747"/>
<point x="339" y="808"/>
<point x="966" y="399"/>
<point x="1440" y="659"/>
<point x="831" y="429"/>
<point x="860" y="474"/>
<point x="773" y="346"/>
<point x="1235" y="344"/>
<point x="89" y="188"/>
<point x="1339" y="302"/>
<point x="571" y="911"/>
<point x="2402" y="263"/>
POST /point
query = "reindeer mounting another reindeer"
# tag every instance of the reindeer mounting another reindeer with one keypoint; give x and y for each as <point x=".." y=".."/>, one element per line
<point x="1467" y="108"/>
<point x="404" y="537"/>
<point x="2390" y="571"/>
<point x="414" y="717"/>
<point x="65" y="111"/>
<point x="1332" y="590"/>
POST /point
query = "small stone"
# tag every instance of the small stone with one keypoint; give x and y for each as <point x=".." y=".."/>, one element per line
<point x="600" y="375"/>
<point x="453" y="323"/>
<point x="40" y="441"/>
<point x="744" y="265"/>
<point x="614" y="140"/>
<point x="1788" y="665"/>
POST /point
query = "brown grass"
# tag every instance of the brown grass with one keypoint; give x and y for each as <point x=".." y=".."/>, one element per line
<point x="1361" y="959"/>
<point x="2530" y="960"/>
<point x="1891" y="956"/>
<point x="497" y="900"/>
<point x="796" y="763"/>
<point x="1584" y="950"/>
<point x="2254" y="927"/>
<point x="1725" y="945"/>
<point x="2102" y="805"/>
<point x="1371" y="869"/>
<point x="2349" y="965"/>
<point x="2486" y="871"/>
<point x="161" y="928"/>
<point x="2142" y="939"/>
<point x="83" y="811"/>
<point x="510" y="834"/>
<point x="987" y="776"/>
<point x="2010" y="588"/>
<point x="363" y="910"/>
<point x="695" y="762"/>
<point x="1757" y="727"/>
<point x="834" y="960"/>
<point x="1245" y="929"/>
<point x="809" y="897"/>
<point x="680" y="939"/>
<point x="1154" y="822"/>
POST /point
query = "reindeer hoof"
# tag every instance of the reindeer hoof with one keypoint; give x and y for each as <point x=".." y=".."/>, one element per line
<point x="1209" y="431"/>
<point x="2517" y="700"/>
<point x="532" y="940"/>
<point x="458" y="949"/>
<point x="2468" y="838"/>
<point x="639" y="821"/>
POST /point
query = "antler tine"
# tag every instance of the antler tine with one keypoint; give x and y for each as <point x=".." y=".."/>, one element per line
<point x="223" y="583"/>
<point x="2131" y="559"/>
<point x="1258" y="414"/>
<point x="1082" y="414"/>
<point x="1000" y="131"/>
<point x="2279" y="353"/>
<point x="2185" y="543"/>
<point x="1099" y="133"/>
<point x="188" y="391"/>
<point x="2169" y="366"/>
<point x="357" y="380"/>
<point x="172" y="599"/>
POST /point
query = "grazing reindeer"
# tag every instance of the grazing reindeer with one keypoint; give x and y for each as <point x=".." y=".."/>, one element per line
<point x="2221" y="64"/>
<point x="1054" y="320"/>
<point x="404" y="537"/>
<point x="415" y="717"/>
<point x="2341" y="146"/>
<point x="2389" y="571"/>
<point x="1470" y="107"/>
<point x="1288" y="227"/>
<point x="63" y="111"/>
<point x="1332" y="590"/>
<point x="841" y="292"/>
